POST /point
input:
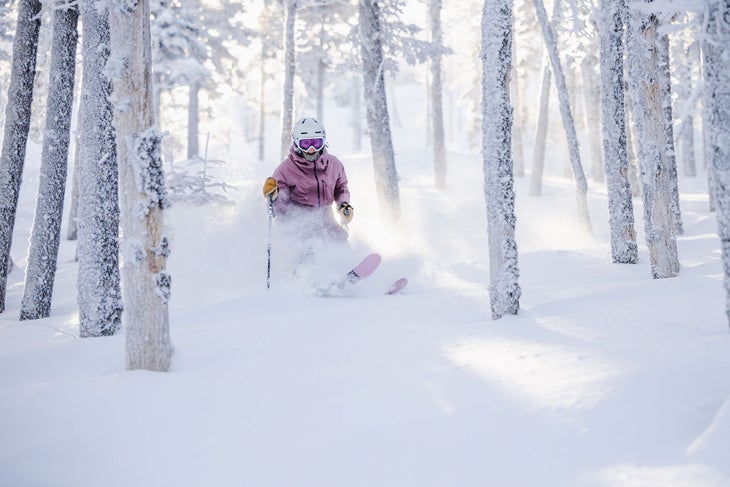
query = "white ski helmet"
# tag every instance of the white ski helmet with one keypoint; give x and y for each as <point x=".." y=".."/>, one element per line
<point x="308" y="128"/>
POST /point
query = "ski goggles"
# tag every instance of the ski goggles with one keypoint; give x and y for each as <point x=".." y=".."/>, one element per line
<point x="305" y="144"/>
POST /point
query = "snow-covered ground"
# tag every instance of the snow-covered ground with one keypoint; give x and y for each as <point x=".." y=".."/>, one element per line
<point x="605" y="378"/>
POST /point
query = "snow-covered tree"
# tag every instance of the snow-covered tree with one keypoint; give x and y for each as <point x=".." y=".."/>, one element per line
<point x="538" y="150"/>
<point x="716" y="57"/>
<point x="290" y="59"/>
<point x="17" y="126"/>
<point x="620" y="206"/>
<point x="143" y="194"/>
<point x="496" y="57"/>
<point x="46" y="233"/>
<point x="566" y="115"/>
<point x="100" y="301"/>
<point x="437" y="111"/>
<point x="656" y="188"/>
<point x="685" y="51"/>
<point x="376" y="104"/>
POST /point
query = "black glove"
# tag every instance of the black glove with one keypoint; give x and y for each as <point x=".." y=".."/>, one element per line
<point x="346" y="212"/>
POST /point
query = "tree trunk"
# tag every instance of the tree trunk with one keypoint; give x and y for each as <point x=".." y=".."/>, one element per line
<point x="716" y="50"/>
<point x="262" y="106"/>
<point x="381" y="141"/>
<point x="567" y="117"/>
<point x="437" y="110"/>
<point x="100" y="300"/>
<point x="46" y="232"/>
<point x="17" y="126"/>
<point x="72" y="230"/>
<point x="193" y="118"/>
<point x="592" y="97"/>
<point x="356" y="115"/>
<point x="538" y="151"/>
<point x="496" y="57"/>
<point x="287" y="110"/>
<point x="624" y="249"/>
<point x="644" y="80"/>
<point x="146" y="282"/>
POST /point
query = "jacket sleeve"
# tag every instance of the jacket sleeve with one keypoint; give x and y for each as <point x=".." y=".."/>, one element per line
<point x="282" y="202"/>
<point x="342" y="193"/>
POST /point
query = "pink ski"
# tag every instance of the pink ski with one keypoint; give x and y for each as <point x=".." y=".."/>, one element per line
<point x="366" y="267"/>
<point x="397" y="286"/>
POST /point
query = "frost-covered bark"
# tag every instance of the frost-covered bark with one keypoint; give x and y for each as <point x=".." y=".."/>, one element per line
<point x="46" y="232"/>
<point x="143" y="195"/>
<point x="381" y="141"/>
<point x="592" y="95"/>
<point x="287" y="109"/>
<point x="683" y="55"/>
<point x="565" y="113"/>
<point x="644" y="83"/>
<point x="17" y="126"/>
<point x="620" y="206"/>
<point x="716" y="54"/>
<point x="437" y="110"/>
<point x="100" y="301"/>
<point x="665" y="83"/>
<point x="496" y="57"/>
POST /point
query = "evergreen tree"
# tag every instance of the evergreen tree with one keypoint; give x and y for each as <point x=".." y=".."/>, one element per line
<point x="46" y="233"/>
<point x="17" y="126"/>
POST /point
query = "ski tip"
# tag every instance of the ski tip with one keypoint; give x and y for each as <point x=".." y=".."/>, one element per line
<point x="367" y="266"/>
<point x="398" y="285"/>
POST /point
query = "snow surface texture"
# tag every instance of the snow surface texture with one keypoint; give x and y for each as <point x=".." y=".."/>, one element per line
<point x="606" y="377"/>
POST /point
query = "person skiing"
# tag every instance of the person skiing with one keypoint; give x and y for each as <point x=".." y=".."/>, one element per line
<point x="307" y="183"/>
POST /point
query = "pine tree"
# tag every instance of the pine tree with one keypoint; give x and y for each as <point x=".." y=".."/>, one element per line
<point x="146" y="281"/>
<point x="496" y="57"/>
<point x="100" y="302"/>
<point x="46" y="233"/>
<point x="17" y="126"/>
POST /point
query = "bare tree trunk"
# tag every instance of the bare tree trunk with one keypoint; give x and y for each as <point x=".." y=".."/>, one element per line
<point x="538" y="152"/>
<point x="72" y="230"/>
<point x="193" y="118"/>
<point x="644" y="79"/>
<point x="146" y="282"/>
<point x="46" y="233"/>
<point x="567" y="117"/>
<point x="356" y="115"/>
<point x="518" y="154"/>
<point x="592" y="97"/>
<point x="716" y="50"/>
<point x="496" y="57"/>
<point x="624" y="249"/>
<point x="262" y="111"/>
<point x="437" y="119"/>
<point x="287" y="110"/>
<point x="17" y="126"/>
<point x="381" y="141"/>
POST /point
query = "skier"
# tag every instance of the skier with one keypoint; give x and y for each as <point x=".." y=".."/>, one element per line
<point x="305" y="185"/>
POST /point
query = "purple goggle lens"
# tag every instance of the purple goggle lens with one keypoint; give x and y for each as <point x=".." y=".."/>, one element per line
<point x="305" y="144"/>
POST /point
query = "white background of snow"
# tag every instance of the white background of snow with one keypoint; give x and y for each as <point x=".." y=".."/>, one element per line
<point x="605" y="378"/>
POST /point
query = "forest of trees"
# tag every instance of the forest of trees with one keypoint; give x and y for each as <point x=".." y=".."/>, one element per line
<point x="117" y="91"/>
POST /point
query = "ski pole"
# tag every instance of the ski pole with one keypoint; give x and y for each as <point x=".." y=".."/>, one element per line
<point x="268" y="247"/>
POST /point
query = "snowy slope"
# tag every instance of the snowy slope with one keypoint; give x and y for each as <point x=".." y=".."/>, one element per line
<point x="605" y="378"/>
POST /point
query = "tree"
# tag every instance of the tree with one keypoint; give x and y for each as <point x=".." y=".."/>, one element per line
<point x="290" y="59"/>
<point x="616" y="161"/>
<point x="716" y="57"/>
<point x="437" y="111"/>
<point x="644" y="84"/>
<point x="496" y="57"/>
<point x="17" y="126"/>
<point x="46" y="233"/>
<point x="376" y="107"/>
<point x="565" y="113"/>
<point x="100" y="301"/>
<point x="146" y="281"/>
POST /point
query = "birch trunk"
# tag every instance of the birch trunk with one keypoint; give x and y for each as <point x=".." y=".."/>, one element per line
<point x="437" y="110"/>
<point x="145" y="247"/>
<point x="287" y="109"/>
<point x="538" y="152"/>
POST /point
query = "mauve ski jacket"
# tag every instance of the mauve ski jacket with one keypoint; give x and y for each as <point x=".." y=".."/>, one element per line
<point x="308" y="184"/>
